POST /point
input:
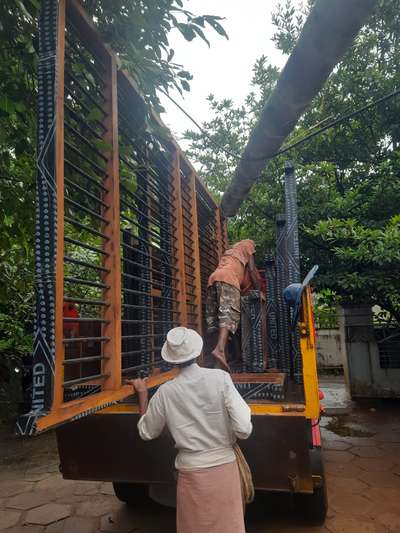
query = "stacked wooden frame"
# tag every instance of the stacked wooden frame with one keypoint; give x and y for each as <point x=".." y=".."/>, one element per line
<point x="126" y="232"/>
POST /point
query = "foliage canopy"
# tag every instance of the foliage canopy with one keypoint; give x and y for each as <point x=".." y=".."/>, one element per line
<point x="348" y="177"/>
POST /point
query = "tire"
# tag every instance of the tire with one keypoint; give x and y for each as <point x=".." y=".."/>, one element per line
<point x="131" y="493"/>
<point x="314" y="507"/>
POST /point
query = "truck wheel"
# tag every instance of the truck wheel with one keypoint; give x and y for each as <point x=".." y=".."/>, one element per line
<point x="131" y="493"/>
<point x="314" y="507"/>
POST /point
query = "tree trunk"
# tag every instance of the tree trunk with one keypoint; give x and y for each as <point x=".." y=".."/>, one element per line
<point x="327" y="33"/>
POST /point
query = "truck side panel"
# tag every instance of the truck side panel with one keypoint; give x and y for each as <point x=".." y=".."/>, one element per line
<point x="107" y="447"/>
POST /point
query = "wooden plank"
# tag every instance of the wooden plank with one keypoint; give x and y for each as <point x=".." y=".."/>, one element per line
<point x="58" y="391"/>
<point x="190" y="168"/>
<point x="112" y="262"/>
<point x="196" y="254"/>
<point x="178" y="232"/>
<point x="91" y="404"/>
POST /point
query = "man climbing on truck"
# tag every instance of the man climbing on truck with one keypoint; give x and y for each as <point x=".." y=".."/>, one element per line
<point x="235" y="270"/>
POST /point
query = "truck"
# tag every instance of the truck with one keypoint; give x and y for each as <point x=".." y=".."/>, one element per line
<point x="127" y="235"/>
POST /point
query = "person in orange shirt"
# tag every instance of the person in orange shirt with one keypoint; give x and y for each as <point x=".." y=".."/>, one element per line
<point x="71" y="329"/>
<point x="235" y="269"/>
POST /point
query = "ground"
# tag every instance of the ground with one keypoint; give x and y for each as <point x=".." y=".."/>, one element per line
<point x="362" y="455"/>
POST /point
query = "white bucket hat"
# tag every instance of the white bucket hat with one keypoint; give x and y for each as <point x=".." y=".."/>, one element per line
<point x="182" y="345"/>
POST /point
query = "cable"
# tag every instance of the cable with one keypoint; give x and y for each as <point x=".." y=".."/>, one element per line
<point x="339" y="120"/>
<point x="203" y="131"/>
<point x="332" y="124"/>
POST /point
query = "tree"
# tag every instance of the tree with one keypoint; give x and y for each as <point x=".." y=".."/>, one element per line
<point x="347" y="176"/>
<point x="138" y="31"/>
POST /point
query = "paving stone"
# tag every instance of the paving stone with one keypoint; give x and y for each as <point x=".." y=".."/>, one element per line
<point x="390" y="520"/>
<point x="78" y="524"/>
<point x="339" y="445"/>
<point x="346" y="485"/>
<point x="47" y="514"/>
<point x="107" y="488"/>
<point x="11" y="488"/>
<point x="36" y="476"/>
<point x="71" y="499"/>
<point x="54" y="482"/>
<point x="361" y="441"/>
<point x="56" y="527"/>
<point x="97" y="506"/>
<point x="343" y="470"/>
<point x="382" y="496"/>
<point x="11" y="474"/>
<point x="368" y="451"/>
<point x="396" y="470"/>
<point x="374" y="465"/>
<point x="25" y="529"/>
<point x="380" y="479"/>
<point x="356" y="505"/>
<point x="29" y="500"/>
<point x="37" y="464"/>
<point x="393" y="436"/>
<point x="8" y="519"/>
<point x="66" y="492"/>
<point x="338" y="456"/>
<point x="86" y="487"/>
<point x="392" y="449"/>
<point x="341" y="524"/>
<point x="43" y="468"/>
<point x="121" y="521"/>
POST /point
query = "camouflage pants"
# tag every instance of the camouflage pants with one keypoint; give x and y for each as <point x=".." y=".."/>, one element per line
<point x="222" y="307"/>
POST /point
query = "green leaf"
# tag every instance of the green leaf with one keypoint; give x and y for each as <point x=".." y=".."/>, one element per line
<point x="185" y="85"/>
<point x="187" y="31"/>
<point x="185" y="74"/>
<point x="94" y="115"/>
<point x="212" y="21"/>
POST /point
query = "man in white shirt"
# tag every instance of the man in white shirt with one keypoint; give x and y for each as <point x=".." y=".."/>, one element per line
<point x="205" y="415"/>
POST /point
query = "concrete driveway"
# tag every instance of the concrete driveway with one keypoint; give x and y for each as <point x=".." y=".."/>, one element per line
<point x="362" y="454"/>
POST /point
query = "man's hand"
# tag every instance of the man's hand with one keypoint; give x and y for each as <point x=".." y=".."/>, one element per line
<point x="140" y="388"/>
<point x="138" y="384"/>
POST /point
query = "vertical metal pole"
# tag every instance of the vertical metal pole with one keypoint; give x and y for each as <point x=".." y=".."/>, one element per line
<point x="43" y="356"/>
<point x="58" y="390"/>
<point x="281" y="283"/>
<point x="293" y="252"/>
<point x="167" y="283"/>
<point x="179" y="242"/>
<point x="293" y="255"/>
<point x="145" y="299"/>
<point x="224" y="231"/>
<point x="271" y="319"/>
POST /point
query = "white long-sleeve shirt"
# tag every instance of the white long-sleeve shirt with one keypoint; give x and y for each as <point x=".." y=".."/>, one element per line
<point x="204" y="413"/>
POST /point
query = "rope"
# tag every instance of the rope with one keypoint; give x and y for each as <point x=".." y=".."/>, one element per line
<point x="245" y="475"/>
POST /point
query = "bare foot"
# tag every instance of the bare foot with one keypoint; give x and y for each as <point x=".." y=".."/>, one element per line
<point x="220" y="357"/>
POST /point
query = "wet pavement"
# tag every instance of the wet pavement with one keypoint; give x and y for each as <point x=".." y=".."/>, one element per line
<point x="362" y="461"/>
